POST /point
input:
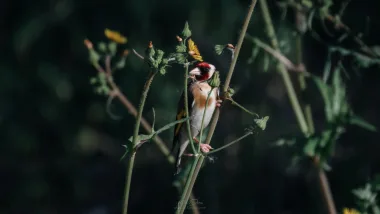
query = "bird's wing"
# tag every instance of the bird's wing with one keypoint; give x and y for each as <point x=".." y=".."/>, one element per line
<point x="181" y="113"/>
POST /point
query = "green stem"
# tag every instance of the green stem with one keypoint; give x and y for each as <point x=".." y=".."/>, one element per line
<point x="134" y="142"/>
<point x="187" y="108"/>
<point x="186" y="194"/>
<point x="242" y="107"/>
<point x="193" y="175"/>
<point x="128" y="179"/>
<point x="306" y="128"/>
<point x="303" y="85"/>
<point x="229" y="144"/>
<point x="285" y="75"/>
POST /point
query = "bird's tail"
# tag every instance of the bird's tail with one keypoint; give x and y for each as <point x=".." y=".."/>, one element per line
<point x="177" y="165"/>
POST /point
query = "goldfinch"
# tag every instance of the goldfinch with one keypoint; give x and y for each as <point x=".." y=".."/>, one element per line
<point x="198" y="90"/>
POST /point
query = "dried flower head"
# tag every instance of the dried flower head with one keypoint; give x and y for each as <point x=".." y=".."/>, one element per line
<point x="150" y="44"/>
<point x="193" y="50"/>
<point x="115" y="36"/>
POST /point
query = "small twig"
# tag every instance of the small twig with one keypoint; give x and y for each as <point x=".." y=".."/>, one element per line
<point x="242" y="107"/>
<point x="229" y="144"/>
<point x="279" y="56"/>
<point x="137" y="54"/>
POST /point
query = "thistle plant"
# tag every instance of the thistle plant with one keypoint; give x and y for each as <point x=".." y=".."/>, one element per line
<point x="186" y="53"/>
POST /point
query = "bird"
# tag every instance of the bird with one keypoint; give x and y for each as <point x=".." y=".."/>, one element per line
<point x="198" y="91"/>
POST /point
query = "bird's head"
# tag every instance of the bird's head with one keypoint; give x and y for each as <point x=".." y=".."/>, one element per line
<point x="202" y="71"/>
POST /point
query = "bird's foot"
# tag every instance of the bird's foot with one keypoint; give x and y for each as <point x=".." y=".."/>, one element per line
<point x="219" y="103"/>
<point x="205" y="147"/>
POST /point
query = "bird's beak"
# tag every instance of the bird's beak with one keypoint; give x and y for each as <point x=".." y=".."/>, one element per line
<point x="195" y="72"/>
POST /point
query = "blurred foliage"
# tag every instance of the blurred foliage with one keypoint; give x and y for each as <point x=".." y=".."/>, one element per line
<point x="60" y="150"/>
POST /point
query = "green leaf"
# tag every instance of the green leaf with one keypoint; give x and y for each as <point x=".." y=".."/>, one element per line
<point x="180" y="48"/>
<point x="364" y="193"/>
<point x="180" y="58"/>
<point x="326" y="94"/>
<point x="262" y="123"/>
<point x="356" y="120"/>
<point x="339" y="92"/>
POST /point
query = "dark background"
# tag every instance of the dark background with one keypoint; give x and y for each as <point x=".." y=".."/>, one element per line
<point x="60" y="151"/>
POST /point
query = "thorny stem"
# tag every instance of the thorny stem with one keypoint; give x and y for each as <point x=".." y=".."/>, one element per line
<point x="134" y="141"/>
<point x="231" y="143"/>
<point x="187" y="109"/>
<point x="199" y="160"/>
<point x="296" y="106"/>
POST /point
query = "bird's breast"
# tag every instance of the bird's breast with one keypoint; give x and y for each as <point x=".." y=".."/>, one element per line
<point x="200" y="92"/>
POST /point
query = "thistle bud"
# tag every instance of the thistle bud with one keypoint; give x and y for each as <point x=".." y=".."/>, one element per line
<point x="150" y="50"/>
<point x="179" y="39"/>
<point x="186" y="33"/>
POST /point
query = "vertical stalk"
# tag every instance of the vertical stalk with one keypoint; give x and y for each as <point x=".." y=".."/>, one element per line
<point x="199" y="160"/>
<point x="306" y="127"/>
<point x="280" y="67"/>
<point x="185" y="91"/>
<point x="134" y="141"/>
